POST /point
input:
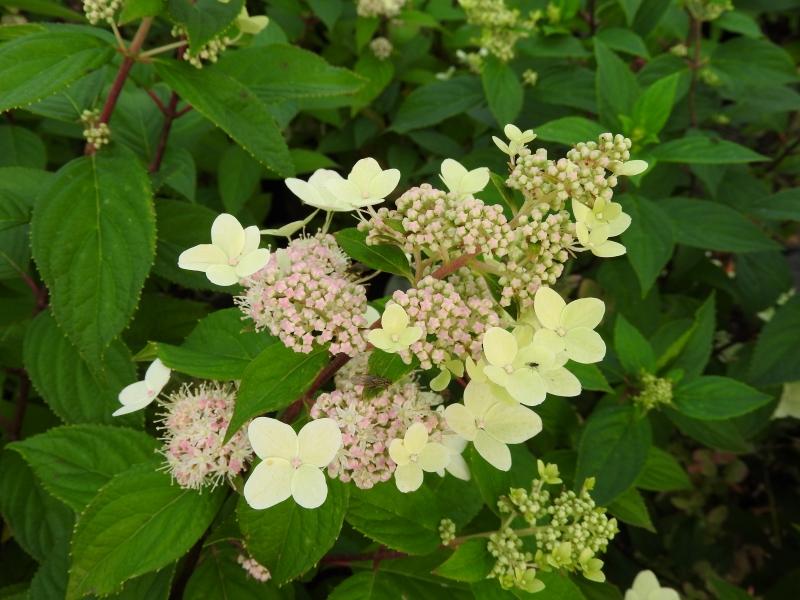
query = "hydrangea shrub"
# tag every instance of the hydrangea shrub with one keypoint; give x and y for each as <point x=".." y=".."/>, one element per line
<point x="378" y="299"/>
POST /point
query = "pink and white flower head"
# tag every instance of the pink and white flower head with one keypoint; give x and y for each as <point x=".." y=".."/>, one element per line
<point x="193" y="429"/>
<point x="254" y="568"/>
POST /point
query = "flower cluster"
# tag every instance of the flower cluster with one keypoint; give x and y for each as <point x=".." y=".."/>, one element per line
<point x="646" y="587"/>
<point x="101" y="10"/>
<point x="501" y="27"/>
<point x="708" y="10"/>
<point x="194" y="427"/>
<point x="370" y="423"/>
<point x="381" y="47"/>
<point x="95" y="132"/>
<point x="447" y="531"/>
<point x="254" y="568"/>
<point x="655" y="392"/>
<point x="305" y="295"/>
<point x="208" y="53"/>
<point x="379" y="8"/>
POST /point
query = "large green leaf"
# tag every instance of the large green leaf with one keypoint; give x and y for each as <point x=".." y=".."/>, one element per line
<point x="653" y="107"/>
<point x="503" y="90"/>
<point x="281" y="72"/>
<point x="273" y="380"/>
<point x="776" y="359"/>
<point x="470" y="562"/>
<point x="35" y="66"/>
<point x="203" y="19"/>
<point x="629" y="507"/>
<point x="714" y="398"/>
<point x="432" y="103"/>
<point x="20" y="147"/>
<point x="383" y="584"/>
<point x="569" y="130"/>
<point x="691" y="353"/>
<point x="381" y="257"/>
<point x="494" y="483"/>
<point x="237" y="179"/>
<point x="648" y="240"/>
<point x="633" y="350"/>
<point x="234" y="108"/>
<point x="714" y="226"/>
<point x="93" y="237"/>
<point x="219" y="576"/>
<point x="616" y="86"/>
<point x="139" y="522"/>
<point x="289" y="539"/>
<point x="662" y="472"/>
<point x="75" y="461"/>
<point x="76" y="390"/>
<point x="723" y="435"/>
<point x="698" y="149"/>
<point x="613" y="448"/>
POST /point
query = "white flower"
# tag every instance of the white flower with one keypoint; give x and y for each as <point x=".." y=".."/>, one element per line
<point x="457" y="467"/>
<point x="509" y="365"/>
<point x="248" y="24"/>
<point x="232" y="254"/>
<point x="442" y="380"/>
<point x="789" y="405"/>
<point x="138" y="395"/>
<point x="517" y="139"/>
<point x="491" y="423"/>
<point x="462" y="182"/>
<point x="597" y="241"/>
<point x="569" y="328"/>
<point x="415" y="454"/>
<point x="291" y="462"/>
<point x="367" y="184"/>
<point x="394" y="334"/>
<point x="646" y="587"/>
<point x="602" y="213"/>
<point x="629" y="168"/>
<point x="316" y="191"/>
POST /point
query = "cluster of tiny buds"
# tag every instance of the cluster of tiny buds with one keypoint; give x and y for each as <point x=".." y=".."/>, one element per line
<point x="101" y="10"/>
<point x="530" y="77"/>
<point x="654" y="392"/>
<point x="209" y="52"/>
<point x="501" y="27"/>
<point x="95" y="132"/>
<point x="447" y="531"/>
<point x="512" y="566"/>
<point x="381" y="47"/>
<point x="254" y="568"/>
<point x="379" y="8"/>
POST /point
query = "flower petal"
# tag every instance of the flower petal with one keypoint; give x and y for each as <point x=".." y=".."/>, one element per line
<point x="252" y="238"/>
<point x="383" y="183"/>
<point x="580" y="210"/>
<point x="548" y="304"/>
<point x="452" y="173"/>
<point x="363" y="172"/>
<point x="227" y="234"/>
<point x="584" y="312"/>
<point x="199" y="258"/>
<point x="318" y="442"/>
<point x="307" y="192"/>
<point x="252" y="262"/>
<point x="129" y="408"/>
<point x="434" y="457"/>
<point x="549" y="340"/>
<point x="136" y="394"/>
<point x="460" y="420"/>
<point x="409" y="335"/>
<point x="608" y="249"/>
<point x="584" y="345"/>
<point x="222" y="275"/>
<point x="560" y="382"/>
<point x="272" y="438"/>
<point x="619" y="225"/>
<point x="381" y="339"/>
<point x="478" y="398"/>
<point x="499" y="346"/>
<point x="345" y="195"/>
<point x="269" y="484"/>
<point x="309" y="488"/>
<point x="458" y="467"/>
<point x="441" y="381"/>
<point x="495" y="375"/>
<point x="493" y="451"/>
<point x="512" y="423"/>
<point x="157" y="376"/>
<point x="527" y="387"/>
<point x="416" y="437"/>
<point x="398" y="452"/>
<point x="394" y="318"/>
<point x="645" y="582"/>
<point x="408" y="477"/>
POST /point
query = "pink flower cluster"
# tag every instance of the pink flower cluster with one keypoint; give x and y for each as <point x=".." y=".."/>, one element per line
<point x="370" y="423"/>
<point x="582" y="175"/>
<point x="194" y="427"/>
<point x="254" y="568"/>
<point x="305" y="295"/>
<point x="441" y="223"/>
<point x="452" y="324"/>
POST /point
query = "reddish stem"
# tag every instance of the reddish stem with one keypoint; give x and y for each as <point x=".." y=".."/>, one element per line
<point x="347" y="559"/>
<point x="154" y="97"/>
<point x="170" y="115"/>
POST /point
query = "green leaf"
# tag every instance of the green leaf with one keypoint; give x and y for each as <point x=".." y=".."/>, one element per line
<point x="714" y="226"/>
<point x="77" y="391"/>
<point x="502" y="89"/>
<point x="693" y="351"/>
<point x="220" y="347"/>
<point x="35" y="66"/>
<point x="714" y="398"/>
<point x="653" y="107"/>
<point x="616" y="86"/>
<point x="48" y="8"/>
<point x="623" y="40"/>
<point x="629" y="507"/>
<point x="38" y="521"/>
<point x="289" y="539"/>
<point x="203" y="19"/>
<point x="328" y="11"/>
<point x="557" y="585"/>
<point x="723" y="435"/>
<point x="662" y="473"/>
<point x="219" y="576"/>
<point x="434" y="102"/>
<point x="629" y="7"/>
<point x="232" y="107"/>
<point x="136" y="9"/>
<point x="281" y="72"/>
<point x="633" y="350"/>
<point x="781" y="206"/>
<point x="379" y="584"/>
<point x="739" y="22"/>
<point x="590" y="376"/>
<point x="381" y="257"/>
<point x="404" y="522"/>
<point x="649" y="239"/>
<point x="470" y="562"/>
<point x="238" y="178"/>
<point x="75" y="461"/>
<point x="390" y="366"/>
<point x="273" y="380"/>
<point x="494" y="483"/>
<point x="613" y="448"/>
<point x="775" y="359"/>
<point x="20" y="147"/>
<point x="138" y="522"/>
<point x="569" y="130"/>
<point x="699" y="149"/>
<point x="378" y="74"/>
<point x="93" y="236"/>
